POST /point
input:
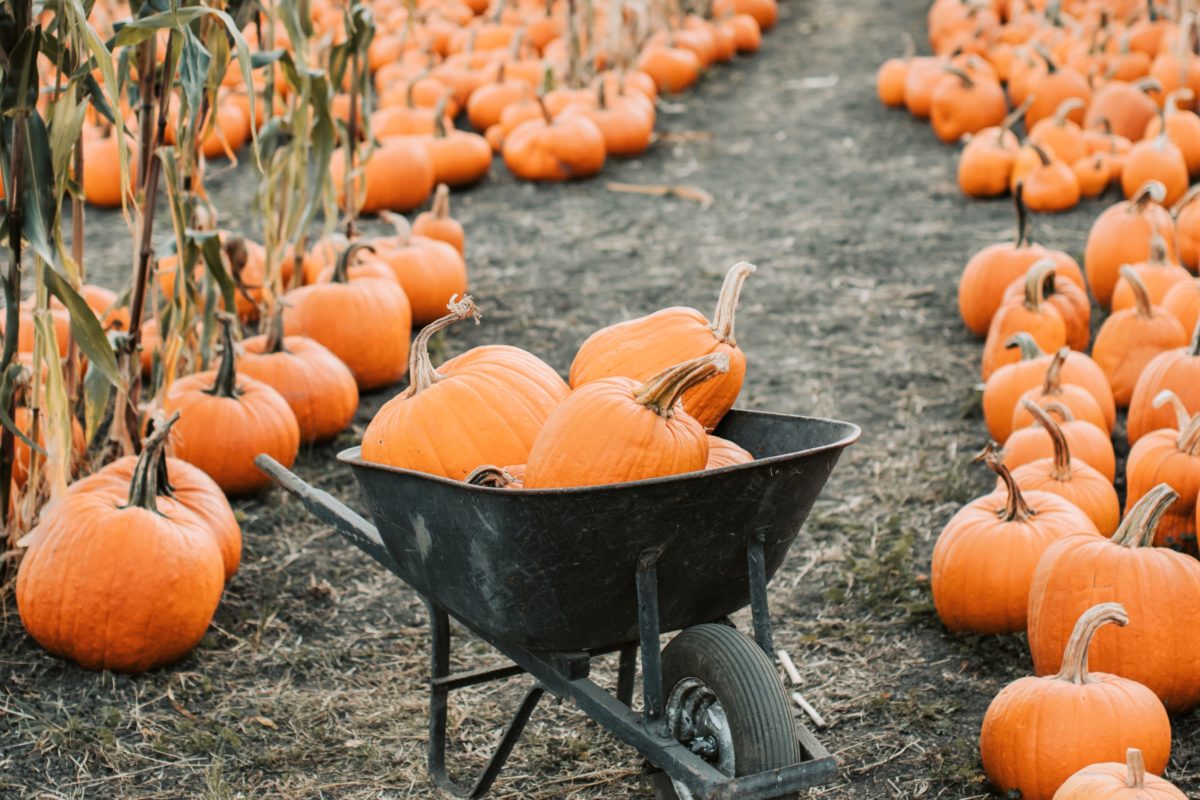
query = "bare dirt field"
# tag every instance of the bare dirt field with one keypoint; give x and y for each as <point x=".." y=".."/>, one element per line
<point x="310" y="683"/>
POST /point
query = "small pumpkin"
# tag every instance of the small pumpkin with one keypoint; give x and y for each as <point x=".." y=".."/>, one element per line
<point x="1156" y="159"/>
<point x="227" y="419"/>
<point x="1059" y="135"/>
<point x="1032" y="315"/>
<point x="1068" y="478"/>
<point x="986" y="163"/>
<point x="1183" y="303"/>
<point x="1114" y="781"/>
<point x="1182" y="127"/>
<point x="460" y="158"/>
<point x="1095" y="173"/>
<point x="642" y="348"/>
<point x="1037" y="732"/>
<point x="1170" y="456"/>
<point x="548" y="149"/>
<point x="646" y="431"/>
<point x="1008" y="527"/>
<point x="486" y="406"/>
<point x="436" y="223"/>
<point x="724" y="453"/>
<point x="1127" y="107"/>
<point x="1187" y="223"/>
<point x="1123" y="235"/>
<point x="1129" y="339"/>
<point x="1050" y="184"/>
<point x="963" y="104"/>
<point x="1068" y="297"/>
<point x="1081" y="400"/>
<point x="626" y="121"/>
<point x="143" y="585"/>
<point x="1174" y="370"/>
<point x="1161" y="589"/>
<point x="430" y="271"/>
<point x="1159" y="275"/>
<point x="398" y="175"/>
<point x="889" y="81"/>
<point x="919" y="83"/>
<point x="1089" y="443"/>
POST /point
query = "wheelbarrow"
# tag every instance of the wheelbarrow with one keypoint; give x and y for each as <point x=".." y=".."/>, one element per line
<point x="554" y="578"/>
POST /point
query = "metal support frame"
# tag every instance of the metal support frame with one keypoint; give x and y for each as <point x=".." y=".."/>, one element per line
<point x="652" y="680"/>
<point x="759" y="607"/>
<point x="627" y="674"/>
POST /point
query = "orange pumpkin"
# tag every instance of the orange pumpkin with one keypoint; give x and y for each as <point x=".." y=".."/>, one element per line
<point x="646" y="431"/>
<point x="1127" y="107"/>
<point x="1039" y="731"/>
<point x="1008" y="527"/>
<point x="398" y="175"/>
<point x="1187" y="222"/>
<point x="1080" y="399"/>
<point x="1170" y="456"/>
<point x="986" y="163"/>
<point x="1050" y="184"/>
<point x="641" y="348"/>
<point x="436" y="223"/>
<point x="1183" y="303"/>
<point x="1050" y="89"/>
<point x="963" y="104"/>
<point x="1160" y="587"/>
<point x="1123" y="235"/>
<point x="1176" y="370"/>
<point x="1033" y="315"/>
<point x="724" y="453"/>
<point x="460" y="158"/>
<point x="1114" y="781"/>
<point x="923" y="75"/>
<point x="1156" y="159"/>
<point x="889" y="81"/>
<point x="1158" y="274"/>
<point x="1182" y="127"/>
<point x="1060" y="136"/>
<point x="1089" y="443"/>
<point x="1069" y="298"/>
<point x="548" y="149"/>
<point x="486" y="406"/>
<point x="431" y="272"/>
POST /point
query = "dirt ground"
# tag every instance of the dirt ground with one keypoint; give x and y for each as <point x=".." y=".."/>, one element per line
<point x="310" y="683"/>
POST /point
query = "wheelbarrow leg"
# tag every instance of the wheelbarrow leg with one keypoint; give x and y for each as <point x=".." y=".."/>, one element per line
<point x="648" y="629"/>
<point x="626" y="673"/>
<point x="759" y="609"/>
<point x="439" y="706"/>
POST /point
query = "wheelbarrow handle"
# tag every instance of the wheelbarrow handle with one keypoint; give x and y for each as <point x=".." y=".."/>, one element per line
<point x="327" y="508"/>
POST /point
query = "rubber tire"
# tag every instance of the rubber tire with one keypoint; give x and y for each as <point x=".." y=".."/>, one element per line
<point x="748" y="687"/>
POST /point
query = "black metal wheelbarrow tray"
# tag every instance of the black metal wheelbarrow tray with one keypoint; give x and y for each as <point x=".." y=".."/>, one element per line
<point x="555" y="578"/>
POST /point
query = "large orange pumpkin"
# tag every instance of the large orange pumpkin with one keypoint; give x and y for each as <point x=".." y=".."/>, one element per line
<point x="642" y="348"/>
<point x="1089" y="443"/>
<point x="1039" y="731"/>
<point x="1170" y="456"/>
<point x="486" y="406"/>
<point x="1069" y="298"/>
<point x="1080" y="400"/>
<point x="1159" y="275"/>
<point x="1123" y="235"/>
<point x="1177" y="370"/>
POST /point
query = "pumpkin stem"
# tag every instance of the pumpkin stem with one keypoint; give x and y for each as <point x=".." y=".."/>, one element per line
<point x="491" y="476"/>
<point x="226" y="382"/>
<point x="1052" y="384"/>
<point x="1158" y="250"/>
<point x="1036" y="279"/>
<point x="441" y="202"/>
<point x="1062" y="451"/>
<point x="1182" y="417"/>
<point x="1145" y="308"/>
<point x="1075" y="657"/>
<point x="144" y="486"/>
<point x="1148" y="85"/>
<point x="601" y="95"/>
<point x="1023" y="238"/>
<point x="1136" y="769"/>
<point x="1015" y="509"/>
<point x="727" y="302"/>
<point x="1192" y="195"/>
<point x="1064" y="413"/>
<point x="541" y="101"/>
<point x="1140" y="524"/>
<point x="961" y="74"/>
<point x="1030" y="349"/>
<point x="400" y="225"/>
<point x="1151" y="192"/>
<point x="341" y="268"/>
<point x="1041" y="154"/>
<point x="910" y="46"/>
<point x="420" y="368"/>
<point x="662" y="392"/>
<point x="275" y="336"/>
<point x="439" y="116"/>
<point x="1064" y="110"/>
<point x="1194" y="348"/>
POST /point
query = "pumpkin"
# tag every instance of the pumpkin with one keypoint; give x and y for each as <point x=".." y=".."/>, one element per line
<point x="430" y="271"/>
<point x="1033" y="315"/>
<point x="1068" y="297"/>
<point x="1050" y="89"/>
<point x="1038" y="731"/>
<point x="1050" y="184"/>
<point x="1187" y="222"/>
<point x="1127" y="107"/>
<point x="227" y="419"/>
<point x="182" y="489"/>
<point x="1183" y="303"/>
<point x="436" y="223"/>
<point x="889" y="81"/>
<point x="673" y="69"/>
<point x="647" y="433"/>
<point x="642" y="348"/>
<point x="365" y="323"/>
<point x="984" y="559"/>
<point x="485" y="406"/>
<point x="1073" y="480"/>
<point x="1156" y="159"/>
<point x="724" y="453"/>
<point x="398" y="175"/>
<point x="1123" y="235"/>
<point x="1170" y="456"/>
<point x="1158" y="273"/>
<point x="488" y="102"/>
<point x="1129" y="339"/>
<point x="102" y="171"/>
<point x="1003" y="390"/>
<point x="113" y="582"/>
<point x="923" y="75"/>
<point x="1094" y="173"/>
<point x="1089" y="443"/>
<point x="318" y="387"/>
<point x="962" y="104"/>
<point x="460" y="158"/>
<point x="1176" y="370"/>
<point x="1161" y="589"/>
<point x="1079" y="399"/>
<point x="546" y="149"/>
<point x="993" y="269"/>
<point x="1060" y="136"/>
<point x="986" y="163"/>
<point x="1113" y="781"/>
<point x="1182" y="127"/>
<point x="625" y="121"/>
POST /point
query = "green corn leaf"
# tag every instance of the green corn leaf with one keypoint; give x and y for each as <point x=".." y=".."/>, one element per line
<point x="85" y="328"/>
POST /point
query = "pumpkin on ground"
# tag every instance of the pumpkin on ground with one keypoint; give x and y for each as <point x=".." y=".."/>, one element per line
<point x="1069" y="298"/>
<point x="486" y="406"/>
<point x="436" y="223"/>
<point x="1123" y="234"/>
<point x="1115" y="781"/>
<point x="984" y="559"/>
<point x="430" y="271"/>
<point x="1176" y="370"/>
<point x="1159" y="274"/>
<point x="228" y="419"/>
<point x="114" y="583"/>
<point x="1159" y="587"/>
<point x="1079" y="400"/>
<point x="1170" y="456"/>
<point x="1032" y="315"/>
<point x="1037" y="732"/>
<point x="642" y="348"/>
<point x="1089" y="443"/>
<point x="644" y="430"/>
<point x="549" y="149"/>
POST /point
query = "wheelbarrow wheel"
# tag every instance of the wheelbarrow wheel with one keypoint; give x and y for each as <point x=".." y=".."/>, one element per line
<point x="726" y="703"/>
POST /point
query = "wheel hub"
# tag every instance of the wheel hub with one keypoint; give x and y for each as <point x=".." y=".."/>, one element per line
<point x="695" y="719"/>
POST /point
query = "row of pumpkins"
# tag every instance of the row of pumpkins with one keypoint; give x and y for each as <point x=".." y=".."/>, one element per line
<point x="494" y="66"/>
<point x="495" y="416"/>
<point x="1108" y="92"/>
<point x="1109" y="603"/>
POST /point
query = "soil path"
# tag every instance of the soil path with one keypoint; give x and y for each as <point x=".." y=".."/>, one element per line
<point x="310" y="683"/>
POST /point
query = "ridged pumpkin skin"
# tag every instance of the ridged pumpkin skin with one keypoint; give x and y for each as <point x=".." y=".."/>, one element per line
<point x="1072" y="302"/>
<point x="641" y="348"/>
<point x="1170" y="456"/>
<point x="485" y="406"/>
<point x="724" y="453"/>
<point x="1089" y="443"/>
<point x="614" y="430"/>
<point x="1183" y="302"/>
<point x="1032" y="315"/>
<point x="436" y="223"/>
<point x="111" y="583"/>
<point x="1123" y="235"/>
<point x="1037" y="732"/>
<point x="365" y="323"/>
<point x="1113" y="781"/>
<point x="1159" y="587"/>
<point x="430" y="271"/>
<point x="318" y="387"/>
<point x="226" y="420"/>
<point x="984" y="559"/>
<point x="1176" y="370"/>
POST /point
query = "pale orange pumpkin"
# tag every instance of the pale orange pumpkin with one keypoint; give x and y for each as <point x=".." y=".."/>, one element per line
<point x="1115" y="781"/>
